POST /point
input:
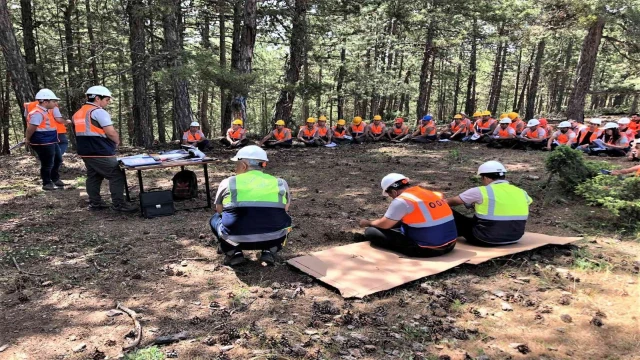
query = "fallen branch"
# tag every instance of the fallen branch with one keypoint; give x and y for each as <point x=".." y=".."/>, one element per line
<point x="22" y="271"/>
<point x="189" y="259"/>
<point x="136" y="324"/>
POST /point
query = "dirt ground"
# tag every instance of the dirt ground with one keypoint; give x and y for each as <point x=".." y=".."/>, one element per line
<point x="557" y="302"/>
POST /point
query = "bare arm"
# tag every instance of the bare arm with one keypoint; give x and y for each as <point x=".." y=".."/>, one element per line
<point x="382" y="223"/>
<point x="630" y="170"/>
<point x="264" y="139"/>
<point x="454" y="201"/>
<point x="112" y="134"/>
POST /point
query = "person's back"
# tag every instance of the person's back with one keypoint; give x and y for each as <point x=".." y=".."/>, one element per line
<point x="502" y="214"/>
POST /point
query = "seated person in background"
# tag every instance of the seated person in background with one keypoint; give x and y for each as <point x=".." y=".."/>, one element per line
<point x="426" y="131"/>
<point x="236" y="136"/>
<point x="338" y="133"/>
<point x="545" y="125"/>
<point x="251" y="210"/>
<point x="501" y="209"/>
<point x="309" y="134"/>
<point x="503" y="136"/>
<point x="533" y="137"/>
<point x="564" y="136"/>
<point x="281" y="137"/>
<point x="576" y="126"/>
<point x="634" y="154"/>
<point x="418" y="223"/>
<point x="635" y="124"/>
<point x="483" y="126"/>
<point x="631" y="170"/>
<point x="457" y="130"/>
<point x="324" y="133"/>
<point x="611" y="142"/>
<point x="357" y="130"/>
<point x="398" y="131"/>
<point x="376" y="130"/>
<point x="195" y="137"/>
<point x="623" y="125"/>
<point x="587" y="135"/>
<point x="516" y="123"/>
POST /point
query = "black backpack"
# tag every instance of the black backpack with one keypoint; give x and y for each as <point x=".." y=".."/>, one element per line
<point x="185" y="185"/>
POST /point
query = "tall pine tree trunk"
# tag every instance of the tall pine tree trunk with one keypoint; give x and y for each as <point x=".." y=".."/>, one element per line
<point x="535" y="78"/>
<point x="157" y="90"/>
<point x="525" y="85"/>
<point x="29" y="41"/>
<point x="223" y="59"/>
<point x="518" y="70"/>
<point x="470" y="104"/>
<point x="228" y="113"/>
<point x="143" y="127"/>
<point x="498" y="91"/>
<point x="203" y="105"/>
<point x="92" y="41"/>
<point x="563" y="80"/>
<point x="423" y="87"/>
<point x="341" y="75"/>
<point x="5" y="113"/>
<point x="584" y="71"/>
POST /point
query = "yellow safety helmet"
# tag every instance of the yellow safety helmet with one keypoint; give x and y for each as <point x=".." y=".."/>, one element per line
<point x="513" y="115"/>
<point x="311" y="120"/>
<point x="237" y="122"/>
<point x="503" y="115"/>
<point x="357" y="120"/>
<point x="486" y="113"/>
<point x="377" y="117"/>
<point x="342" y="122"/>
<point x="457" y="116"/>
<point x="280" y="122"/>
<point x="322" y="118"/>
<point x="477" y="114"/>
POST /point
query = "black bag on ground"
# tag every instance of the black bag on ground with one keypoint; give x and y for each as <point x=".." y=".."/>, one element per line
<point x="185" y="185"/>
<point x="157" y="203"/>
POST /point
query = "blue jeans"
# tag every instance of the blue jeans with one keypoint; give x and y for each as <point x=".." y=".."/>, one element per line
<point x="50" y="160"/>
<point x="63" y="143"/>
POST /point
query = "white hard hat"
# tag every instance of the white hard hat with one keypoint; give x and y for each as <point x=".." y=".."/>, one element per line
<point x="46" y="94"/>
<point x="505" y="121"/>
<point x="492" y="167"/>
<point x="253" y="152"/>
<point x="533" y="122"/>
<point x="195" y="123"/>
<point x="610" y="125"/>
<point x="390" y="180"/>
<point x="564" y="124"/>
<point x="595" y="121"/>
<point x="98" y="90"/>
<point x="624" y="121"/>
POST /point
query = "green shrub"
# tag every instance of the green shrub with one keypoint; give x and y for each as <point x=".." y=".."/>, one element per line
<point x="571" y="167"/>
<point x="619" y="196"/>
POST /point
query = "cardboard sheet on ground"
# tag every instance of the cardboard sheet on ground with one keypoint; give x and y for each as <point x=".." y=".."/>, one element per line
<point x="528" y="242"/>
<point x="359" y="269"/>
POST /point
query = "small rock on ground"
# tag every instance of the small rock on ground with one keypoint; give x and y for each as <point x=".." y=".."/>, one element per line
<point x="79" y="347"/>
<point x="566" y="318"/>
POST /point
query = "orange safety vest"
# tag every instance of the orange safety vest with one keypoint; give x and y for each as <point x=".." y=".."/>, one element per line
<point x="535" y="133"/>
<point x="635" y="126"/>
<point x="398" y="131"/>
<point x="91" y="139"/>
<point x="322" y="131"/>
<point x="423" y="128"/>
<point x="503" y="132"/>
<point x="45" y="133"/>
<point x="455" y="127"/>
<point x="281" y="135"/>
<point x="236" y="135"/>
<point x="30" y="106"/>
<point x="486" y="125"/>
<point x="377" y="130"/>
<point x="564" y="138"/>
<point x="629" y="133"/>
<point x="337" y="133"/>
<point x="308" y="133"/>
<point x="583" y="133"/>
<point x="515" y="124"/>
<point x="192" y="137"/>
<point x="358" y="129"/>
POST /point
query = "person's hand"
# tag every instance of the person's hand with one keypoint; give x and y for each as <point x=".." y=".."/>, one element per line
<point x="27" y="142"/>
<point x="548" y="147"/>
<point x="616" y="172"/>
<point x="364" y="223"/>
<point x="68" y="121"/>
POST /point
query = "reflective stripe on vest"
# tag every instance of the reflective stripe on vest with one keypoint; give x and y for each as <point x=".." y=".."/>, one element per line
<point x="503" y="132"/>
<point x="503" y="202"/>
<point x="585" y="131"/>
<point x="255" y="189"/>
<point x="428" y="208"/>
<point x="486" y="125"/>
<point x="47" y="123"/>
<point x="455" y="127"/>
<point x="83" y="124"/>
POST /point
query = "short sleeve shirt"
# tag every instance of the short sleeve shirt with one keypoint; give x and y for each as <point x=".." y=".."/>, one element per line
<point x="56" y="112"/>
<point x="398" y="209"/>
<point x="102" y="117"/>
<point x="36" y="118"/>
<point x="223" y="191"/>
<point x="185" y="136"/>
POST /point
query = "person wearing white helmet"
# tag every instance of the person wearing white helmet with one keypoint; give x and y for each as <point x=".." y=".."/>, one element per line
<point x="418" y="222"/>
<point x="501" y="209"/>
<point x="503" y="136"/>
<point x="563" y="136"/>
<point x="610" y="143"/>
<point x="60" y="122"/>
<point x="251" y="210"/>
<point x="97" y="141"/>
<point x="42" y="136"/>
<point x="588" y="134"/>
<point x="533" y="137"/>
<point x="195" y="137"/>
<point x="625" y="129"/>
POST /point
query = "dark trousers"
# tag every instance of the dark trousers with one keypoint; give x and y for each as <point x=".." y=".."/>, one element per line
<point x="609" y="152"/>
<point x="394" y="240"/>
<point x="227" y="247"/>
<point x="447" y="135"/>
<point x="465" y="225"/>
<point x="50" y="160"/>
<point x="63" y="143"/>
<point x="272" y="144"/>
<point x="425" y="139"/>
<point x="359" y="140"/>
<point x="340" y="141"/>
<point x="242" y="143"/>
<point x="501" y="143"/>
<point x="529" y="145"/>
<point x="100" y="168"/>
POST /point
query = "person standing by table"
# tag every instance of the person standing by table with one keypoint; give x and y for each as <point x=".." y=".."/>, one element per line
<point x="97" y="141"/>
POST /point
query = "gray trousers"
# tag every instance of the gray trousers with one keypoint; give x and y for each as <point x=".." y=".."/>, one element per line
<point x="100" y="168"/>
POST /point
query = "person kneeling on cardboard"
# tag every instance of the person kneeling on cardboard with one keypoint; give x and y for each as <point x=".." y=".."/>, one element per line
<point x="501" y="209"/>
<point x="251" y="210"/>
<point x="418" y="223"/>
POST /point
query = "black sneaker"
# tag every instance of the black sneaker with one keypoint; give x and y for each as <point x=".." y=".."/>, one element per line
<point x="124" y="207"/>
<point x="59" y="183"/>
<point x="49" y="187"/>
<point x="235" y="259"/>
<point x="98" y="205"/>
<point x="267" y="257"/>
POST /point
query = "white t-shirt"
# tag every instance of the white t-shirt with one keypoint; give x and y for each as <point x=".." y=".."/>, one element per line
<point x="398" y="209"/>
<point x="102" y="117"/>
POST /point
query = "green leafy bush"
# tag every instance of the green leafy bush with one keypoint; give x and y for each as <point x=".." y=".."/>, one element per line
<point x="570" y="167"/>
<point x="619" y="196"/>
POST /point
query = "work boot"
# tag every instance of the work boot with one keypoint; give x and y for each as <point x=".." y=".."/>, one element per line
<point x="100" y="205"/>
<point x="234" y="258"/>
<point x="124" y="207"/>
<point x="59" y="183"/>
<point x="267" y="257"/>
<point x="48" y="187"/>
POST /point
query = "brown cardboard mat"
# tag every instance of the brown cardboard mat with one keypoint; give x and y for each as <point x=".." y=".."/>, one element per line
<point x="529" y="241"/>
<point x="360" y="269"/>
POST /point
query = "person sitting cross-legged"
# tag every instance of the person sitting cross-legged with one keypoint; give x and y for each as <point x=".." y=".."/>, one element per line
<point x="278" y="137"/>
<point x="236" y="137"/>
<point x="426" y="131"/>
<point x="195" y="137"/>
<point x="533" y="137"/>
<point x="398" y="131"/>
<point x="339" y="134"/>
<point x="418" y="223"/>
<point x="324" y="132"/>
<point x="503" y="136"/>
<point x="357" y="130"/>
<point x="251" y="210"/>
<point x="457" y="129"/>
<point x="308" y="134"/>
<point x="563" y="137"/>
<point x="377" y="130"/>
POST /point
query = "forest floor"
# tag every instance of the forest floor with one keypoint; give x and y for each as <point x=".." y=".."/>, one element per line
<point x="558" y="302"/>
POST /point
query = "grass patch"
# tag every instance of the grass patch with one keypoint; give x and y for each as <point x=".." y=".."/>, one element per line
<point x="8" y="215"/>
<point x="28" y="253"/>
<point x="4" y="237"/>
<point x="150" y="353"/>
<point x="238" y="300"/>
<point x="81" y="181"/>
<point x="583" y="260"/>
